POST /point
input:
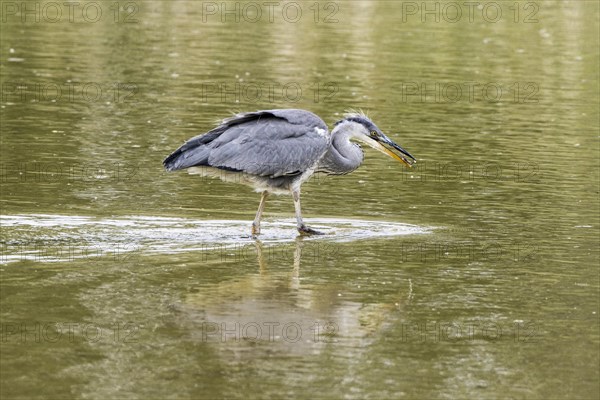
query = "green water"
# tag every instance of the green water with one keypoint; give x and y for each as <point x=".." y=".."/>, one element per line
<point x="473" y="275"/>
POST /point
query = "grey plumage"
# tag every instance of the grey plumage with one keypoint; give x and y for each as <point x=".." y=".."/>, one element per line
<point x="269" y="143"/>
<point x="277" y="150"/>
<point x="342" y="156"/>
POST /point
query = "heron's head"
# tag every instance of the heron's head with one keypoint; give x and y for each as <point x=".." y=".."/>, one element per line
<point x="361" y="128"/>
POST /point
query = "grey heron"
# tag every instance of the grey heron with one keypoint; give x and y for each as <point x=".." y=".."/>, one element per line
<point x="275" y="151"/>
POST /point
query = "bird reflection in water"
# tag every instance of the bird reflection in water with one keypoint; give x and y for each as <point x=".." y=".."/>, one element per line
<point x="275" y="309"/>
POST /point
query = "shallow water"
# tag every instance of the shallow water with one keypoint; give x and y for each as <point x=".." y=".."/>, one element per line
<point x="63" y="238"/>
<point x="474" y="274"/>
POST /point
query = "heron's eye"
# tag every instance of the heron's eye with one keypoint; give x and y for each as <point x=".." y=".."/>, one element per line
<point x="373" y="134"/>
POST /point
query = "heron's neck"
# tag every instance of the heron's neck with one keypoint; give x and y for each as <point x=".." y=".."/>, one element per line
<point x="343" y="156"/>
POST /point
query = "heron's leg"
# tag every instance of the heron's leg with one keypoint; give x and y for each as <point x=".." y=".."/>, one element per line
<point x="261" y="208"/>
<point x="303" y="229"/>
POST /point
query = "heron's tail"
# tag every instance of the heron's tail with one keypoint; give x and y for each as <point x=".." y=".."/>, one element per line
<point x="180" y="160"/>
<point x="185" y="158"/>
<point x="193" y="153"/>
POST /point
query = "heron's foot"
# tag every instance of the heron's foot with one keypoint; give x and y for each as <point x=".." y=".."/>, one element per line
<point x="255" y="231"/>
<point x="305" y="230"/>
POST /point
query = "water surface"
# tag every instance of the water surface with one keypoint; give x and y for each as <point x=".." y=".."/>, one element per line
<point x="474" y="274"/>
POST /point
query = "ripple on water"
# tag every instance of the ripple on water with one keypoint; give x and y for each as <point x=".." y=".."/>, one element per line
<point x="45" y="237"/>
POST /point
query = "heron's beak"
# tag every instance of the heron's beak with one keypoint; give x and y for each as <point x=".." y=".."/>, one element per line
<point x="387" y="146"/>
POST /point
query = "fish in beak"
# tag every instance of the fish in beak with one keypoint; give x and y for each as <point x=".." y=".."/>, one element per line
<point x="384" y="144"/>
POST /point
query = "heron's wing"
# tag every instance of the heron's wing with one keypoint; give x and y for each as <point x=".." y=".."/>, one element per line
<point x="269" y="146"/>
<point x="269" y="143"/>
